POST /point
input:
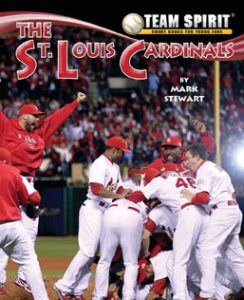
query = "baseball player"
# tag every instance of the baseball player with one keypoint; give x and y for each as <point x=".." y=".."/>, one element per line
<point x="167" y="189"/>
<point x="160" y="219"/>
<point x="156" y="268"/>
<point x="25" y="138"/>
<point x="104" y="182"/>
<point x="223" y="282"/>
<point x="122" y="225"/>
<point x="189" y="235"/>
<point x="222" y="237"/>
<point x="14" y="240"/>
<point x="172" y="148"/>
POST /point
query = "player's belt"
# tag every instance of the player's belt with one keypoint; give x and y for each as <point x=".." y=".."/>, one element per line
<point x="129" y="207"/>
<point x="226" y="203"/>
<point x="133" y="208"/>
<point x="112" y="205"/>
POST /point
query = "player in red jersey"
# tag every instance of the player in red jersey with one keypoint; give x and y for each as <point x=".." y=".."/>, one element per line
<point x="25" y="137"/>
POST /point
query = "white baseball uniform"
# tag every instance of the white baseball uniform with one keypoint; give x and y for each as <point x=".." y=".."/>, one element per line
<point x="159" y="264"/>
<point x="224" y="278"/>
<point x="190" y="223"/>
<point x="14" y="240"/>
<point x="16" y="243"/>
<point x="31" y="228"/>
<point x="122" y="225"/>
<point x="107" y="173"/>
<point x="167" y="189"/>
<point x="189" y="234"/>
<point x="162" y="220"/>
<point x="129" y="184"/>
<point x="222" y="236"/>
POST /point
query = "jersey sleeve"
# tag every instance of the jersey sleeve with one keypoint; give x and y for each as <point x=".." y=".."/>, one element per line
<point x="3" y="122"/>
<point x="56" y="119"/>
<point x="159" y="286"/>
<point x="203" y="179"/>
<point x="151" y="190"/>
<point x="97" y="173"/>
<point x="207" y="140"/>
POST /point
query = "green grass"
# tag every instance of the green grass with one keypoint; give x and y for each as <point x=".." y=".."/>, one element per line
<point x="53" y="247"/>
<point x="56" y="246"/>
<point x="45" y="273"/>
<point x="59" y="247"/>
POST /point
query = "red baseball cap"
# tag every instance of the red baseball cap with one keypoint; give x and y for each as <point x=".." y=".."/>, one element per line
<point x="5" y="155"/>
<point x="170" y="167"/>
<point x="172" y="141"/>
<point x="150" y="174"/>
<point x="142" y="270"/>
<point x="118" y="142"/>
<point x="30" y="109"/>
<point x="134" y="170"/>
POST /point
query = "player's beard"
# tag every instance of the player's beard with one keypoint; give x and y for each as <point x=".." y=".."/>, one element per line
<point x="174" y="155"/>
<point x="31" y="126"/>
<point x="171" y="158"/>
<point x="118" y="159"/>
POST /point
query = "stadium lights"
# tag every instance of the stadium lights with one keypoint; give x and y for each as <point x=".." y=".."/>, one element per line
<point x="240" y="157"/>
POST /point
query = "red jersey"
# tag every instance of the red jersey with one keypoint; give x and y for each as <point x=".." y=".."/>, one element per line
<point x="206" y="140"/>
<point x="27" y="147"/>
<point x="12" y="193"/>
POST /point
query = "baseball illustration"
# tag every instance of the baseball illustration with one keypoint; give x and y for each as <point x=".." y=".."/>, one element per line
<point x="133" y="23"/>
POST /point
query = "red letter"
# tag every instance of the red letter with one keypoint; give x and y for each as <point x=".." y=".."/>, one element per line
<point x="22" y="26"/>
<point x="63" y="71"/>
<point x="79" y="50"/>
<point x="151" y="50"/>
<point x="35" y="30"/>
<point x="47" y="33"/>
<point x="26" y="59"/>
<point x="43" y="47"/>
<point x="125" y="58"/>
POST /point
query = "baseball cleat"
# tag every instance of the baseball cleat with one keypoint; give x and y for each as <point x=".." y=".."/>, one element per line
<point x="61" y="294"/>
<point x="22" y="283"/>
<point x="3" y="289"/>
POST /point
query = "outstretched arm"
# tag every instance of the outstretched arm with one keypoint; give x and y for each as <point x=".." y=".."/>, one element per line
<point x="56" y="119"/>
<point x="3" y="122"/>
<point x="206" y="138"/>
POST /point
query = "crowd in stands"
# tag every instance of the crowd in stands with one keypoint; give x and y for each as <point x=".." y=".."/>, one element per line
<point x="140" y="115"/>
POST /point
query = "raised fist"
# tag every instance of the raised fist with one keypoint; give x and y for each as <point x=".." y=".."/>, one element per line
<point x="81" y="97"/>
<point x="198" y="125"/>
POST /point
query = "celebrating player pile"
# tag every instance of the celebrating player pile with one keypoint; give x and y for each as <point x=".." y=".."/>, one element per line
<point x="179" y="197"/>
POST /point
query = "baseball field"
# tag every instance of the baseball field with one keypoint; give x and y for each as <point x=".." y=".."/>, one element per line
<point x="54" y="254"/>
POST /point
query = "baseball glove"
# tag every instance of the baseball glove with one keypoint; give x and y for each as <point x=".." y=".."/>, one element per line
<point x="32" y="211"/>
